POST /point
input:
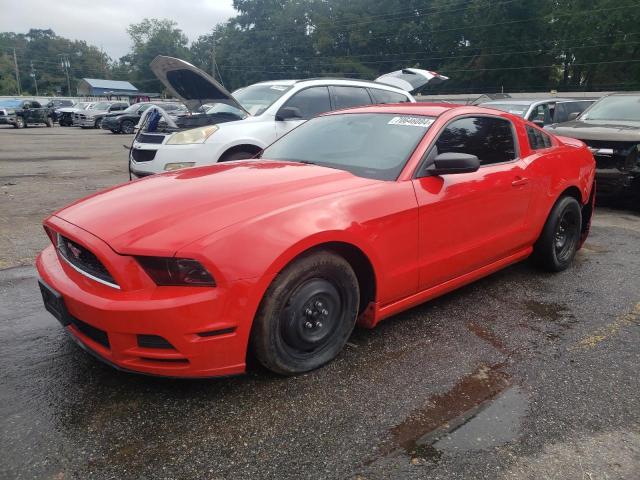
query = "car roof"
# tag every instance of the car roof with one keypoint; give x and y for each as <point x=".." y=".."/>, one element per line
<point x="527" y="101"/>
<point x="333" y="81"/>
<point x="426" y="109"/>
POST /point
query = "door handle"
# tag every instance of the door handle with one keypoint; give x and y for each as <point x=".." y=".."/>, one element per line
<point x="519" y="181"/>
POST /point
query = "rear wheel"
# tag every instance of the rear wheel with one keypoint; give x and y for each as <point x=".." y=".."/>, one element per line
<point x="557" y="246"/>
<point x="127" y="126"/>
<point x="306" y="315"/>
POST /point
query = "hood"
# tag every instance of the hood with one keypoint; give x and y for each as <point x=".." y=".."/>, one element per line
<point x="619" y="131"/>
<point x="411" y="79"/>
<point x="190" y="84"/>
<point x="160" y="214"/>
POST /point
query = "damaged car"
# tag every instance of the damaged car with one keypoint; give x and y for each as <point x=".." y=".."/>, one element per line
<point x="349" y="219"/>
<point x="611" y="129"/>
<point x="239" y="125"/>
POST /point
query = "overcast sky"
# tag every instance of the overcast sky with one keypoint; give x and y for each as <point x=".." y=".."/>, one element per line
<point x="103" y="23"/>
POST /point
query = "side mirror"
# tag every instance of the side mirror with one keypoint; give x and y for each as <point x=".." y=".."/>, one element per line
<point x="452" y="163"/>
<point x="573" y="116"/>
<point x="289" y="113"/>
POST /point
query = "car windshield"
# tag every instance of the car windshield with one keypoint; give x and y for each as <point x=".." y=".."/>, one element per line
<point x="224" y="108"/>
<point x="10" y="103"/>
<point x="514" y="108"/>
<point x="133" y="108"/>
<point x="101" y="106"/>
<point x="615" y="107"/>
<point x="370" y="145"/>
<point x="255" y="99"/>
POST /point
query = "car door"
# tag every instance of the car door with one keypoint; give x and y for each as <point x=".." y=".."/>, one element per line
<point x="471" y="220"/>
<point x="309" y="102"/>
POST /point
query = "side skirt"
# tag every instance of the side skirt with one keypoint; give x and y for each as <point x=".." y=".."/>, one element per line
<point x="433" y="292"/>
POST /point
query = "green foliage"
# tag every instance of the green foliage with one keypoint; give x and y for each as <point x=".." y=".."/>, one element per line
<point x="482" y="45"/>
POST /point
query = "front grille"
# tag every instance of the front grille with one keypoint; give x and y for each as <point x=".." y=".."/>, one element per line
<point x="143" y="155"/>
<point x="84" y="260"/>
<point x="147" y="138"/>
<point x="95" y="334"/>
<point x="611" y="154"/>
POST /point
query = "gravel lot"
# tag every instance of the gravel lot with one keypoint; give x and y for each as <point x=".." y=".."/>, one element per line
<point x="522" y="375"/>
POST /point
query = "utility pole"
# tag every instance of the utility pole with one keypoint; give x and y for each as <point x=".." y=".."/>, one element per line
<point x="35" y="80"/>
<point x="15" y="61"/>
<point x="64" y="62"/>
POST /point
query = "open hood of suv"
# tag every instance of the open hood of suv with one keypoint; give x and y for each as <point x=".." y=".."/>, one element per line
<point x="411" y="79"/>
<point x="190" y="84"/>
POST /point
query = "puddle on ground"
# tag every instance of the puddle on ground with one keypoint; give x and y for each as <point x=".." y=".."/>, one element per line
<point x="488" y="335"/>
<point x="482" y="410"/>
<point x="548" y="310"/>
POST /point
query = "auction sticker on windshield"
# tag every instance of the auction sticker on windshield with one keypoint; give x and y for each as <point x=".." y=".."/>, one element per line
<point x="423" y="122"/>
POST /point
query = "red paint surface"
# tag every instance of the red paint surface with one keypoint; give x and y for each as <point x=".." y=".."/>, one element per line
<point x="245" y="221"/>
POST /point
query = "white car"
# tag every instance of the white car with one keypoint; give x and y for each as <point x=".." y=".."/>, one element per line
<point x="240" y="125"/>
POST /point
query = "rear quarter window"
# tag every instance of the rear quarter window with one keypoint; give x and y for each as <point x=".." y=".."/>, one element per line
<point x="538" y="140"/>
<point x="386" y="96"/>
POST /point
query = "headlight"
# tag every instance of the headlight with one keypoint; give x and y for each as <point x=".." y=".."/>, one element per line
<point x="167" y="271"/>
<point x="176" y="166"/>
<point x="195" y="135"/>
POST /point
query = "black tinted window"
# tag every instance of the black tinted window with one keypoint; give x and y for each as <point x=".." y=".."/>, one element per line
<point x="346" y="97"/>
<point x="35" y="104"/>
<point x="489" y="139"/>
<point x="385" y="96"/>
<point x="537" y="139"/>
<point x="310" y="101"/>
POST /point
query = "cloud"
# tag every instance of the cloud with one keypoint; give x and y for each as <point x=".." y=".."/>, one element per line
<point x="104" y="24"/>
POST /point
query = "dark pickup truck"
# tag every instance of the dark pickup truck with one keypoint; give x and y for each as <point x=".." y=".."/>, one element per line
<point x="611" y="130"/>
<point x="22" y="113"/>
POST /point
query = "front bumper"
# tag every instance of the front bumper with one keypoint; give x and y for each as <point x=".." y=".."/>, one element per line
<point x="613" y="182"/>
<point x="110" y="124"/>
<point x="159" y="155"/>
<point x="7" y="120"/>
<point x="84" y="122"/>
<point x="206" y="335"/>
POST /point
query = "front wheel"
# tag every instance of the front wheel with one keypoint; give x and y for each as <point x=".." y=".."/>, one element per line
<point x="238" y="155"/>
<point x="127" y="127"/>
<point x="98" y="123"/>
<point x="49" y="122"/>
<point x="306" y="315"/>
<point x="557" y="246"/>
<point x="19" y="122"/>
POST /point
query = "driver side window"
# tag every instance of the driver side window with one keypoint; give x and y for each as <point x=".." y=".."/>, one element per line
<point x="310" y="102"/>
<point x="488" y="138"/>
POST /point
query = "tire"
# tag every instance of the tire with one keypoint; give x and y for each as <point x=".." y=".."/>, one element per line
<point x="115" y="131"/>
<point x="127" y="127"/>
<point x="20" y="123"/>
<point x="558" y="243"/>
<point x="98" y="123"/>
<point x="49" y="122"/>
<point x="238" y="155"/>
<point x="306" y="315"/>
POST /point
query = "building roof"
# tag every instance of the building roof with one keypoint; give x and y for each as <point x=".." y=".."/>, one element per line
<point x="109" y="84"/>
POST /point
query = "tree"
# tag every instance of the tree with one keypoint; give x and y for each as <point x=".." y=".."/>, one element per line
<point x="153" y="37"/>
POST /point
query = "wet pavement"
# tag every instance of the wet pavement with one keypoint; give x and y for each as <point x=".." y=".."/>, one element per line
<point x="500" y="379"/>
<point x="522" y="375"/>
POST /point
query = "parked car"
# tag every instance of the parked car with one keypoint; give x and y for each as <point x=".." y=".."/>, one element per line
<point x="352" y="217"/>
<point x="126" y="120"/>
<point x="65" y="114"/>
<point x="241" y="124"/>
<point x="611" y="129"/>
<point x="542" y="112"/>
<point x="21" y="113"/>
<point x="57" y="103"/>
<point x="92" y="118"/>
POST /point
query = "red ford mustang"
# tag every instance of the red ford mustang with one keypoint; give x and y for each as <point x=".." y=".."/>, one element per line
<point x="350" y="218"/>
